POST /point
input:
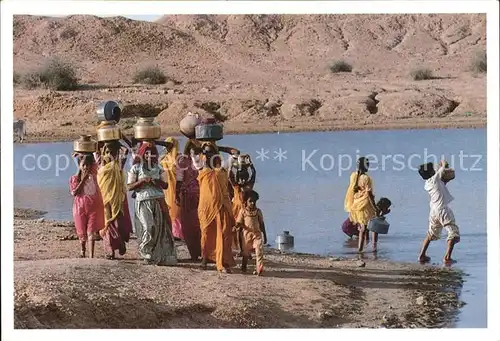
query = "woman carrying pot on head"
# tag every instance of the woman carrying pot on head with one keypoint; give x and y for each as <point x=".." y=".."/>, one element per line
<point x="148" y="180"/>
<point x="111" y="181"/>
<point x="214" y="209"/>
<point x="170" y="166"/>
<point x="360" y="202"/>
<point x="186" y="198"/>
<point x="122" y="157"/>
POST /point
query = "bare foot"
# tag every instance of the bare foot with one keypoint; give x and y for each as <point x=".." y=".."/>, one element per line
<point x="449" y="261"/>
<point x="424" y="259"/>
<point x="226" y="270"/>
<point x="374" y="248"/>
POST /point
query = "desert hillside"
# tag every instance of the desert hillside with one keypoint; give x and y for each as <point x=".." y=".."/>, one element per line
<point x="257" y="72"/>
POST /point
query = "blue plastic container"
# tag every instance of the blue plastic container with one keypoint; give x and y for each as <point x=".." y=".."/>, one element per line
<point x="379" y="225"/>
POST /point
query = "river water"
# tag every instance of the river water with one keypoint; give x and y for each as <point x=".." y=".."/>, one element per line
<point x="302" y="178"/>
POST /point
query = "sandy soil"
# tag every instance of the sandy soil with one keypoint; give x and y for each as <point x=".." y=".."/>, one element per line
<point x="54" y="289"/>
<point x="257" y="73"/>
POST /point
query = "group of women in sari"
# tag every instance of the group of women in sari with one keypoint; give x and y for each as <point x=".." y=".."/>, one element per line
<point x="178" y="196"/>
<point x="200" y="199"/>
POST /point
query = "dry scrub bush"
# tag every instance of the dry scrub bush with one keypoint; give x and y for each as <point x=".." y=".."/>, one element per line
<point x="16" y="78"/>
<point x="421" y="74"/>
<point x="54" y="75"/>
<point x="340" y="66"/>
<point x="150" y="75"/>
<point x="478" y="64"/>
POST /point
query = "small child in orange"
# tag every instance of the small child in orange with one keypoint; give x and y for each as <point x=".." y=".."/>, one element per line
<point x="250" y="223"/>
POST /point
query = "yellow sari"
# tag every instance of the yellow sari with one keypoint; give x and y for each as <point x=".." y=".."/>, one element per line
<point x="359" y="205"/>
<point x="111" y="181"/>
<point x="169" y="163"/>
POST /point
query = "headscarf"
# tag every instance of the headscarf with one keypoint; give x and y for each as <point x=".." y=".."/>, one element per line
<point x="144" y="147"/>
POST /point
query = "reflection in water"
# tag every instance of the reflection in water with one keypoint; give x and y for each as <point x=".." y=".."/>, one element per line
<point x="285" y="247"/>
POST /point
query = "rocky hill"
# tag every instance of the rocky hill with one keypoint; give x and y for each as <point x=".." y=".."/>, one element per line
<point x="259" y="72"/>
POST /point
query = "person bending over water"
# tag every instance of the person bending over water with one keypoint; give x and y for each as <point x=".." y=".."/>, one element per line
<point x="88" y="208"/>
<point x="360" y="201"/>
<point x="440" y="214"/>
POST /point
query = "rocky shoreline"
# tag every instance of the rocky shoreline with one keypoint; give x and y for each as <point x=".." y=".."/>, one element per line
<point x="54" y="289"/>
<point x="63" y="135"/>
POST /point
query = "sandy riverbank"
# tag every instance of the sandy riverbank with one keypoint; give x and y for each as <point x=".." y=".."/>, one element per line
<point x="54" y="289"/>
<point x="63" y="135"/>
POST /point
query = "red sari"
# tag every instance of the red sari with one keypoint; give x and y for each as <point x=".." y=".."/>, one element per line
<point x="189" y="198"/>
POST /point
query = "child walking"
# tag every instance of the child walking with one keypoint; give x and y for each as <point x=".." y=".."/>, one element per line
<point x="250" y="223"/>
<point x="88" y="208"/>
<point x="440" y="214"/>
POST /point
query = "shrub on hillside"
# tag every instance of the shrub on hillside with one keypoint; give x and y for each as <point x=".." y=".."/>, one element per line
<point x="16" y="78"/>
<point x="54" y="75"/>
<point x="479" y="62"/>
<point x="421" y="74"/>
<point x="340" y="66"/>
<point x="150" y="75"/>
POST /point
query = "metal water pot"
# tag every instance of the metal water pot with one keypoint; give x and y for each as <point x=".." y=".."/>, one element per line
<point x="147" y="129"/>
<point x="285" y="238"/>
<point x="379" y="225"/>
<point x="209" y="132"/>
<point x="108" y="131"/>
<point x="85" y="144"/>
<point x="109" y="111"/>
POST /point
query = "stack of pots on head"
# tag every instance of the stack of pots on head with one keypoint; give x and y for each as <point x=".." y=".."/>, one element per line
<point x="108" y="113"/>
<point x="206" y="129"/>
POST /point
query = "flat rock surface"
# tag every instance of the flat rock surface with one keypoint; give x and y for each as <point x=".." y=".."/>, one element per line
<point x="55" y="289"/>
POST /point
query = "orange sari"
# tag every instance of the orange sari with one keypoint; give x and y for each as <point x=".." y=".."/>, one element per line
<point x="169" y="164"/>
<point x="216" y="218"/>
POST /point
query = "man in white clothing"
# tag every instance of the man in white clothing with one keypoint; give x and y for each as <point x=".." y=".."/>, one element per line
<point x="440" y="214"/>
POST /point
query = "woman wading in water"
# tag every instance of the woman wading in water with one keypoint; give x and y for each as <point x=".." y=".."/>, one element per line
<point x="148" y="180"/>
<point x="360" y="202"/>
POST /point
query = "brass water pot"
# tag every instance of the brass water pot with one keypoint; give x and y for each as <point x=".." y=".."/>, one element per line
<point x="147" y="129"/>
<point x="85" y="144"/>
<point x="108" y="131"/>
